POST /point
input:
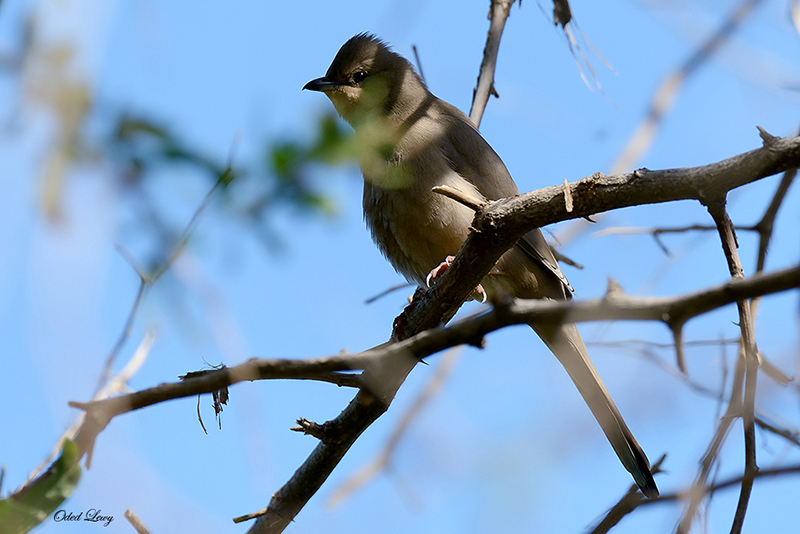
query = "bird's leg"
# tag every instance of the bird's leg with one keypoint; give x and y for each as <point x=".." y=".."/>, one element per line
<point x="442" y="267"/>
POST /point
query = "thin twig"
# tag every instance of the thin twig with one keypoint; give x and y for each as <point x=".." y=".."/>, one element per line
<point x="750" y="352"/>
<point x="386" y="292"/>
<point x="135" y="522"/>
<point x="745" y="380"/>
<point x="113" y="385"/>
<point x="222" y="181"/>
<point x="665" y="96"/>
<point x="793" y="437"/>
<point x="458" y="196"/>
<point x="498" y="14"/>
<point x="765" y="225"/>
<point x="628" y="506"/>
<point x="127" y="330"/>
<point x="419" y="63"/>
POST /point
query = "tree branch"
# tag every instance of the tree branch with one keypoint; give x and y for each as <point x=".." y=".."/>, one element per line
<point x="498" y="14"/>
<point x="665" y="96"/>
<point x="497" y="227"/>
<point x="500" y="224"/>
<point x="750" y="354"/>
<point x="626" y="505"/>
<point x="387" y="365"/>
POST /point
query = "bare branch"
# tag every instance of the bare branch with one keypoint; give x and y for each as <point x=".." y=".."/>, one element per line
<point x="667" y="92"/>
<point x="627" y="505"/>
<point x="498" y="14"/>
<point x="382" y="460"/>
<point x="498" y="226"/>
<point x="387" y="365"/>
<point x="793" y="437"/>
<point x="426" y="343"/>
<point x="747" y="369"/>
<point x="750" y="353"/>
<point x="135" y="522"/>
<point x="458" y="196"/>
<point x="764" y="226"/>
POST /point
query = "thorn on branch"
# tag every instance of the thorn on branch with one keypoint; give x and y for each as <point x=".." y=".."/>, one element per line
<point x="478" y="342"/>
<point x="613" y="290"/>
<point x="310" y="428"/>
<point x="769" y="139"/>
<point x="680" y="359"/>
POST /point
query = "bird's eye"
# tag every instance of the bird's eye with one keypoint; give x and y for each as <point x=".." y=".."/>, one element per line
<point x="359" y="76"/>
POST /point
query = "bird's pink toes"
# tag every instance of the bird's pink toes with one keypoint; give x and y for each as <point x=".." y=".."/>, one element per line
<point x="442" y="267"/>
<point x="439" y="270"/>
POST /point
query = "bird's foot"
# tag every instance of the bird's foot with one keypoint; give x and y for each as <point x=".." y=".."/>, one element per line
<point x="478" y="294"/>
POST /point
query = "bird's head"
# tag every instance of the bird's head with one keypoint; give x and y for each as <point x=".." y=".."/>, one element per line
<point x="368" y="82"/>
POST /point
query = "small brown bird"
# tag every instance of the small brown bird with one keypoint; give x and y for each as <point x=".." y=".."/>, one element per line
<point x="410" y="141"/>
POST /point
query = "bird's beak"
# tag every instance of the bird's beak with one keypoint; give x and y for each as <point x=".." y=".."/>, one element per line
<point x="321" y="84"/>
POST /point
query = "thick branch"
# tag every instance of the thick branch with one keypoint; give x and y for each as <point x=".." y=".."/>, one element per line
<point x="498" y="227"/>
<point x="388" y="364"/>
<point x="621" y="307"/>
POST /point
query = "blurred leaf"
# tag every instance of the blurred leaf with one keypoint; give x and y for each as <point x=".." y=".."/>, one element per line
<point x="285" y="160"/>
<point x="143" y="143"/>
<point x="128" y="127"/>
<point x="34" y="502"/>
<point x="52" y="81"/>
<point x="334" y="142"/>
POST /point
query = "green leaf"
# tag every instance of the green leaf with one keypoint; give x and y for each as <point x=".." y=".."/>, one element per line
<point x="35" y="501"/>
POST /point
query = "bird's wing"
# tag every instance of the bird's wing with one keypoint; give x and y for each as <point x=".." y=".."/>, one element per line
<point x="473" y="159"/>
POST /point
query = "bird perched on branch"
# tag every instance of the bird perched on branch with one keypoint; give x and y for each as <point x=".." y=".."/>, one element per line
<point x="410" y="141"/>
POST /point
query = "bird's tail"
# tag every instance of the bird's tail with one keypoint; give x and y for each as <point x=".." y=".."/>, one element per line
<point x="566" y="343"/>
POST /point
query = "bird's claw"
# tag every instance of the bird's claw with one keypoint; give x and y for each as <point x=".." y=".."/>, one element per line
<point x="437" y="271"/>
<point x="480" y="291"/>
<point x="442" y="267"/>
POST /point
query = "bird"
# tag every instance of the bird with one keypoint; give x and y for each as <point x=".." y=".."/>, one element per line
<point x="409" y="141"/>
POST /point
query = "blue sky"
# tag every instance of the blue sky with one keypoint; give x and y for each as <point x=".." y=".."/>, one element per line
<point x="507" y="445"/>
